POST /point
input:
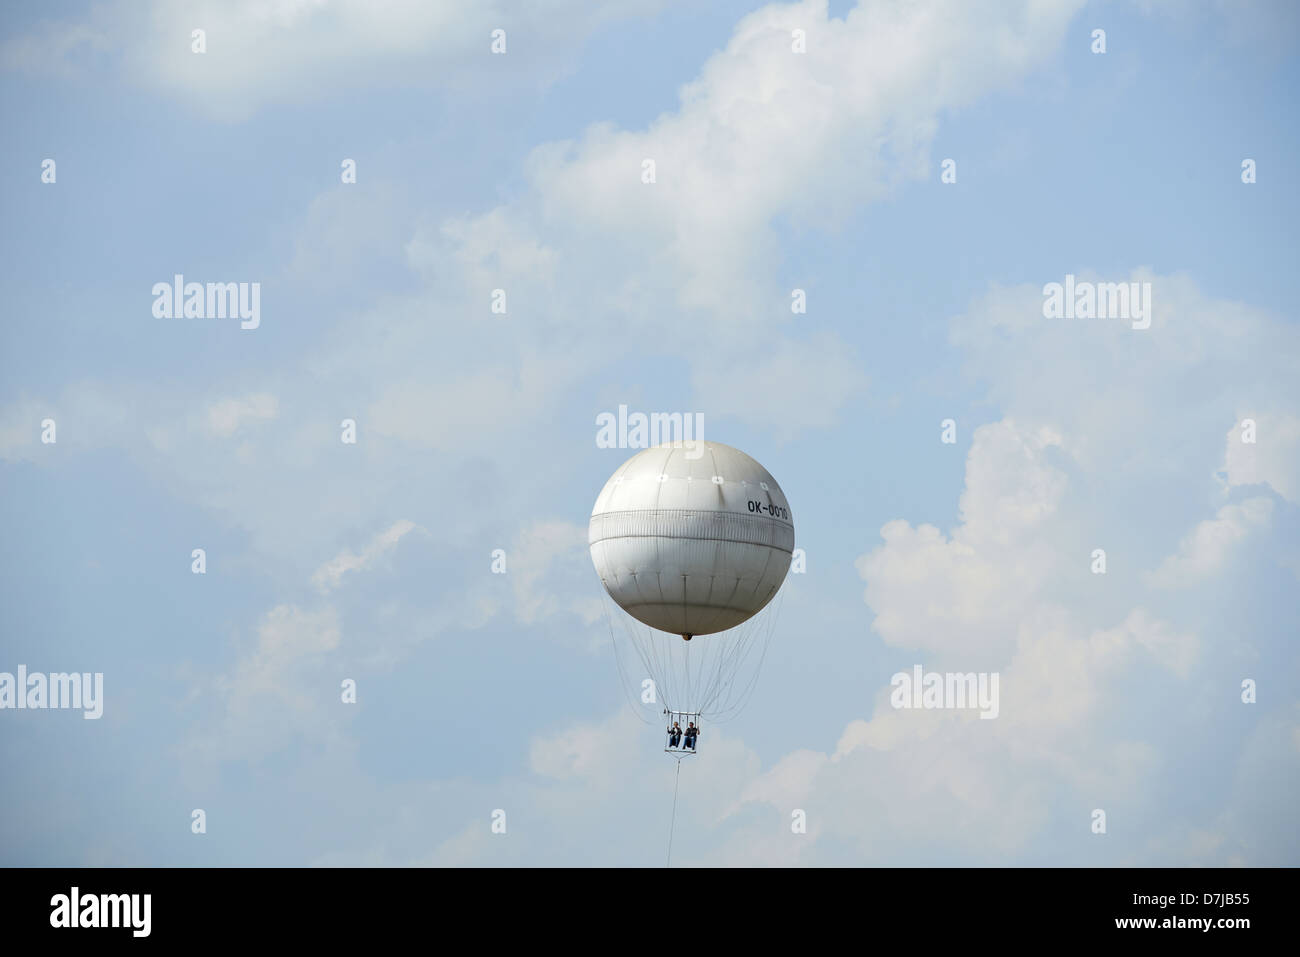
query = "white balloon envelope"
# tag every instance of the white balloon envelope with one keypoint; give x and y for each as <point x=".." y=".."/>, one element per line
<point x="691" y="538"/>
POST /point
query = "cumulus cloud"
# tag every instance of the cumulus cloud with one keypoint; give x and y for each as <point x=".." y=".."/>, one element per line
<point x="953" y="594"/>
<point x="591" y="255"/>
<point x="1084" y="377"/>
<point x="1272" y="457"/>
<point x="588" y="751"/>
<point x="987" y="787"/>
<point x="764" y="133"/>
<point x="1010" y="587"/>
<point x="1206" y="549"/>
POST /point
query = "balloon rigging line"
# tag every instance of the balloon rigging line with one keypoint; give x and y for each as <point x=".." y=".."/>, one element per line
<point x="618" y="661"/>
<point x="673" y="822"/>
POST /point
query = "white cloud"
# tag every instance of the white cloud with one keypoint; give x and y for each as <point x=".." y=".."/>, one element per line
<point x="1119" y="396"/>
<point x="262" y="52"/>
<point x="484" y="248"/>
<point x="763" y="132"/>
<point x="966" y="592"/>
<point x="227" y="416"/>
<point x="947" y="780"/>
<point x="330" y="575"/>
<point x="1011" y="586"/>
<point x="277" y="689"/>
<point x="592" y="257"/>
<point x="1273" y="458"/>
<point x="789" y="783"/>
<point x="20" y="428"/>
<point x="596" y="261"/>
<point x="592" y="261"/>
<point x="548" y="561"/>
<point x="286" y="635"/>
<point x="586" y="751"/>
<point x="1206" y="549"/>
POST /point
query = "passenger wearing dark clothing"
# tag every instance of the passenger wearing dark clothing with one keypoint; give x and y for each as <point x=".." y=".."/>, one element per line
<point x="692" y="733"/>
<point x="674" y="735"/>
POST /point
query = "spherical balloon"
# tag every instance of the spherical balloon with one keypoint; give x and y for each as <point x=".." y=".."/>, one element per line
<point x="691" y="538"/>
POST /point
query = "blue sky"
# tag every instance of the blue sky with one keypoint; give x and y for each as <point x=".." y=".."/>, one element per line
<point x="775" y="171"/>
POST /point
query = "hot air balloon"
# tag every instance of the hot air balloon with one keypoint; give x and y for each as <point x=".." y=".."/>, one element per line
<point x="692" y="539"/>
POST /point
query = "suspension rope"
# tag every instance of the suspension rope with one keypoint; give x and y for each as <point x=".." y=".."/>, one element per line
<point x="713" y="676"/>
<point x="673" y="822"/>
<point x="618" y="661"/>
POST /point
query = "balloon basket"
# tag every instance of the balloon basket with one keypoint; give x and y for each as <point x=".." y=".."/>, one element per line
<point x="683" y="720"/>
